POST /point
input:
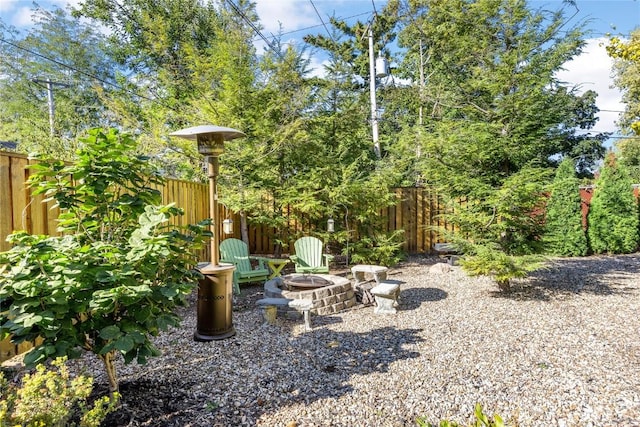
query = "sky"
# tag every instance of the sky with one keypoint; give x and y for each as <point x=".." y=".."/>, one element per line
<point x="590" y="71"/>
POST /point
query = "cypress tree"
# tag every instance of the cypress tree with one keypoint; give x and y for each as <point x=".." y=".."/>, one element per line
<point x="564" y="232"/>
<point x="613" y="215"/>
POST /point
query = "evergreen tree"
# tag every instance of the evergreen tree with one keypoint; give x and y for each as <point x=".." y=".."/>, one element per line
<point x="495" y="118"/>
<point x="613" y="215"/>
<point x="564" y="232"/>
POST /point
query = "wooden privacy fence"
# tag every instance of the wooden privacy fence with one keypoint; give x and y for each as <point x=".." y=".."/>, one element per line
<point x="415" y="212"/>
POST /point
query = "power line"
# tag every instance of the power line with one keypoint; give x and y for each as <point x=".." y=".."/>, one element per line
<point x="92" y="76"/>
<point x="321" y="20"/>
<point x="239" y="12"/>
<point x="320" y="25"/>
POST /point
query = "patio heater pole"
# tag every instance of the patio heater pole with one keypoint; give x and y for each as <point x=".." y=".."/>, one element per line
<point x="212" y="169"/>
<point x="215" y="289"/>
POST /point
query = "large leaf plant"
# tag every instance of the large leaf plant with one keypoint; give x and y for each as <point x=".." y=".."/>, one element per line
<point x="116" y="272"/>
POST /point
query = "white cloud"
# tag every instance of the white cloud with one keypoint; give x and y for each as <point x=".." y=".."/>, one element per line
<point x="7" y="5"/>
<point x="592" y="71"/>
<point x="292" y="14"/>
<point x="22" y="17"/>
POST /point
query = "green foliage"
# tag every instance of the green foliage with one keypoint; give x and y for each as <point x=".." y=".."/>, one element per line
<point x="480" y="420"/>
<point x="628" y="152"/>
<point x="491" y="104"/>
<point x="564" y="232"/>
<point x="380" y="249"/>
<point x="627" y="68"/>
<point x="489" y="260"/>
<point x="51" y="398"/>
<point x="113" y="279"/>
<point x="499" y="229"/>
<point x="73" y="45"/>
<point x="492" y="119"/>
<point x="613" y="215"/>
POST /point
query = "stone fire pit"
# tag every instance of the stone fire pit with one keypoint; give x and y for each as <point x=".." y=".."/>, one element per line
<point x="330" y="294"/>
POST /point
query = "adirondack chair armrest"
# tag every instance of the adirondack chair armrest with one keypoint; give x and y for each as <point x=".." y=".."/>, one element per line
<point x="260" y="261"/>
<point x="294" y="258"/>
<point x="328" y="258"/>
<point x="230" y="261"/>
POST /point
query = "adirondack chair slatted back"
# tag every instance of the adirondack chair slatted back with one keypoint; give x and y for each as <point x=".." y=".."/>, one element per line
<point x="309" y="251"/>
<point x="236" y="252"/>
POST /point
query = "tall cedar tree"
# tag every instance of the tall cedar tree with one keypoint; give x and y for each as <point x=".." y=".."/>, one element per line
<point x="494" y="118"/>
<point x="613" y="215"/>
<point x="564" y="232"/>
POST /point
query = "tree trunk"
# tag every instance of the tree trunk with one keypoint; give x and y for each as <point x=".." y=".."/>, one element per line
<point x="110" y="367"/>
<point x="504" y="285"/>
<point x="244" y="228"/>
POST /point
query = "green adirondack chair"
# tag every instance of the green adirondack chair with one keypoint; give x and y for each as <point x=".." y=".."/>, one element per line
<point x="309" y="257"/>
<point x="236" y="252"/>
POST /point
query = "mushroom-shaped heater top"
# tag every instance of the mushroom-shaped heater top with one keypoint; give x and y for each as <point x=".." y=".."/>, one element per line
<point x="210" y="138"/>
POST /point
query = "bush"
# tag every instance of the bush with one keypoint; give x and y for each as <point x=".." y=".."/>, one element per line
<point x="115" y="276"/>
<point x="613" y="215"/>
<point x="51" y="398"/>
<point x="489" y="260"/>
<point x="379" y="249"/>
<point x="500" y="232"/>
<point x="564" y="232"/>
<point x="480" y="420"/>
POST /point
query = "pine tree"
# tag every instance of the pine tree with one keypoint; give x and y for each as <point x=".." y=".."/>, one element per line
<point x="613" y="215"/>
<point x="564" y="232"/>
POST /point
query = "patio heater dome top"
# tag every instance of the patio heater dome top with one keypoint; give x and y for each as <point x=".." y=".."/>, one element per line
<point x="193" y="132"/>
<point x="210" y="138"/>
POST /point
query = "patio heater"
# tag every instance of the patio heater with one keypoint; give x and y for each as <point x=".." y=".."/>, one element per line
<point x="215" y="289"/>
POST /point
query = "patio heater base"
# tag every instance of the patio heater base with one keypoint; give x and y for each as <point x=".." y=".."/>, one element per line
<point x="215" y="303"/>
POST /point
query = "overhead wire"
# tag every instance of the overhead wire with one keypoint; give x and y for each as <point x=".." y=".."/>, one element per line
<point x="321" y="20"/>
<point x="86" y="74"/>
<point x="240" y="13"/>
<point x="311" y="27"/>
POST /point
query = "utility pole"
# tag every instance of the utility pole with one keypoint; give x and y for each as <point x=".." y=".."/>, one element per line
<point x="50" y="84"/>
<point x="372" y="94"/>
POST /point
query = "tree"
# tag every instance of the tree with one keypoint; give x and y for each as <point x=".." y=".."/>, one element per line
<point x="64" y="51"/>
<point x="627" y="70"/>
<point x="564" y="233"/>
<point x="613" y="214"/>
<point x="497" y="117"/>
<point x="349" y="180"/>
<point x="115" y="275"/>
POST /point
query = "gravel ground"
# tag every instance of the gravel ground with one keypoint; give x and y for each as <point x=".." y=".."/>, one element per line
<point x="563" y="349"/>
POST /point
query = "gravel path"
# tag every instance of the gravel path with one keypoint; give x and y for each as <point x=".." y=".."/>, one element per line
<point x="563" y="349"/>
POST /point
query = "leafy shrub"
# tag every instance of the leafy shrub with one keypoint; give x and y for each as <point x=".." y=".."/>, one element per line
<point x="613" y="215"/>
<point x="480" y="420"/>
<point x="113" y="279"/>
<point x="564" y="232"/>
<point x="380" y="249"/>
<point x="51" y="398"/>
<point x="490" y="261"/>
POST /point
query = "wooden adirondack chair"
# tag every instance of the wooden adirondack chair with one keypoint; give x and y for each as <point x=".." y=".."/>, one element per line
<point x="236" y="252"/>
<point x="309" y="257"/>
